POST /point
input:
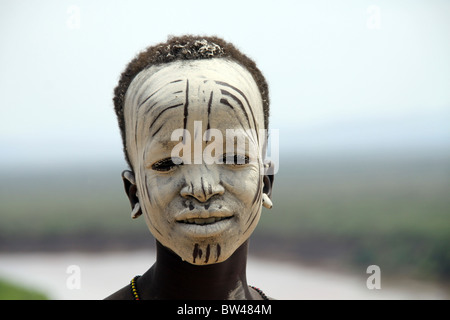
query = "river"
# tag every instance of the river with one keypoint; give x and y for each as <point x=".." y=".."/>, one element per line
<point x="91" y="276"/>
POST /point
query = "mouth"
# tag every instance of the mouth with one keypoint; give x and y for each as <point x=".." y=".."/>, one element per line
<point x="203" y="221"/>
<point x="205" y="224"/>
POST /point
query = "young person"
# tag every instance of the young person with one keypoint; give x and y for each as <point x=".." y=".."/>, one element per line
<point x="193" y="114"/>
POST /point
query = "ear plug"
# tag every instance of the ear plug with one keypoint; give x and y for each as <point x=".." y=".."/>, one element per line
<point x="266" y="202"/>
<point x="136" y="211"/>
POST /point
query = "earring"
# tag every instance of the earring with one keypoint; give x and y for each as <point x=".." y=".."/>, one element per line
<point x="136" y="211"/>
<point x="266" y="202"/>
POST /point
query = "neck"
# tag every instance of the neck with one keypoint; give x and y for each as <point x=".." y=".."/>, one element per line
<point x="172" y="278"/>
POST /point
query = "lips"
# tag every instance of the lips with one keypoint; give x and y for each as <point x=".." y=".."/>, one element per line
<point x="203" y="217"/>
<point x="202" y="221"/>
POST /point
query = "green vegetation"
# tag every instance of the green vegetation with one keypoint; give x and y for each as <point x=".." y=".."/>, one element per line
<point x="393" y="213"/>
<point x="10" y="291"/>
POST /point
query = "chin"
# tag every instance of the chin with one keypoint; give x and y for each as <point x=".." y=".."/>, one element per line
<point x="207" y="251"/>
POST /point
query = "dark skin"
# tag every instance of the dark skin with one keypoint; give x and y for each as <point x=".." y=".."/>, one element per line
<point x="170" y="278"/>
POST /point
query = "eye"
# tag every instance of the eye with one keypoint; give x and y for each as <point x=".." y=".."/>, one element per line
<point x="235" y="159"/>
<point x="166" y="164"/>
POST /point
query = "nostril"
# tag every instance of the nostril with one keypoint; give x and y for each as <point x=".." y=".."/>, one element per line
<point x="202" y="191"/>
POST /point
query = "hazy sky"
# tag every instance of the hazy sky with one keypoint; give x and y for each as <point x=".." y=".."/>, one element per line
<point x="343" y="75"/>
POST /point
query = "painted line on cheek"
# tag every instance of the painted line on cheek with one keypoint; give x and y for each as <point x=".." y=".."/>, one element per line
<point x="146" y="188"/>
<point x="256" y="201"/>
<point x="150" y="203"/>
<point x="253" y="212"/>
<point x="258" y="191"/>
<point x="254" y="215"/>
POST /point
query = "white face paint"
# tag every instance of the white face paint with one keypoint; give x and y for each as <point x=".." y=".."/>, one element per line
<point x="205" y="210"/>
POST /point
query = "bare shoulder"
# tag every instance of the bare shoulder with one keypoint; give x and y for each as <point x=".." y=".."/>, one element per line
<point x="122" y="294"/>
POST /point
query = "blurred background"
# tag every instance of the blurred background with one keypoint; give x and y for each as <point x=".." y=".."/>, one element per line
<point x="360" y="94"/>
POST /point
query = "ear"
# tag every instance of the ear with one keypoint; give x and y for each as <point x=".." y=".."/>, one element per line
<point x="268" y="179"/>
<point x="129" y="184"/>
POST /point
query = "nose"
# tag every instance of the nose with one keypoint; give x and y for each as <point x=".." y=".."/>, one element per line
<point x="202" y="187"/>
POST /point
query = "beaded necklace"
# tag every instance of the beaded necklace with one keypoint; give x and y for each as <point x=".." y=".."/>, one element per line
<point x="135" y="293"/>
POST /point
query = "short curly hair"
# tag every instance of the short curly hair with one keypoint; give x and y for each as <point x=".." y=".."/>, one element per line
<point x="186" y="47"/>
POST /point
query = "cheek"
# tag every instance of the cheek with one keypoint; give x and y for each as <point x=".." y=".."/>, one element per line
<point x="245" y="185"/>
<point x="159" y="191"/>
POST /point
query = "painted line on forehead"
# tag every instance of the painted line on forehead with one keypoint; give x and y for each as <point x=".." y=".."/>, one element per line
<point x="226" y="103"/>
<point x="186" y="106"/>
<point x="146" y="99"/>
<point x="239" y="102"/>
<point x="159" y="114"/>
<point x="209" y="112"/>
<point x="157" y="130"/>
<point x="155" y="92"/>
<point x="225" y="84"/>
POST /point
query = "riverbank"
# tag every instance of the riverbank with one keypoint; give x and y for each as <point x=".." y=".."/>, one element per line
<point x="82" y="275"/>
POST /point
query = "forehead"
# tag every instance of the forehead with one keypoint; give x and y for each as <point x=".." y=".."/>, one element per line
<point x="219" y="70"/>
<point x="166" y="97"/>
